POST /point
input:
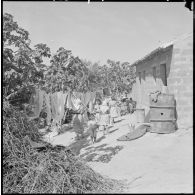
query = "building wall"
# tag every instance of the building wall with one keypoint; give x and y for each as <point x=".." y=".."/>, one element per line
<point x="150" y="84"/>
<point x="180" y="80"/>
<point x="179" y="63"/>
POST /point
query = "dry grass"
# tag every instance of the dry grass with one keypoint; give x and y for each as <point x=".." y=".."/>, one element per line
<point x="47" y="169"/>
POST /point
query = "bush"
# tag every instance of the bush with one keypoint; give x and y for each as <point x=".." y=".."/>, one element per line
<point x="45" y="169"/>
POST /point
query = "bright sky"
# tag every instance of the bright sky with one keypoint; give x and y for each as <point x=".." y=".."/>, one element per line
<point x="99" y="31"/>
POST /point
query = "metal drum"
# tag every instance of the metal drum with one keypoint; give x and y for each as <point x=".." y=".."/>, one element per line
<point x="162" y="114"/>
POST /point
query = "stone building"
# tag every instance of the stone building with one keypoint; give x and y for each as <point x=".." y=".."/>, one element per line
<point x="169" y="65"/>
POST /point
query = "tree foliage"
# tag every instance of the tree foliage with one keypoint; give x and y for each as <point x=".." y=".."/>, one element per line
<point x="23" y="66"/>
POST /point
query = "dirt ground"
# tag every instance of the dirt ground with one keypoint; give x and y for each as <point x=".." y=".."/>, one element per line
<point x="154" y="163"/>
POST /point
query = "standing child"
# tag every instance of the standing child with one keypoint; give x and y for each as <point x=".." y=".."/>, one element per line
<point x="113" y="110"/>
<point x="93" y="127"/>
<point x="104" y="116"/>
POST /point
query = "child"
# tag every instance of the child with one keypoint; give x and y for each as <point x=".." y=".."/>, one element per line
<point x="93" y="127"/>
<point x="113" y="110"/>
<point x="104" y="116"/>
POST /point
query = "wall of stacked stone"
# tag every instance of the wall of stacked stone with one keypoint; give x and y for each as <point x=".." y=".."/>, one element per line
<point x="180" y="81"/>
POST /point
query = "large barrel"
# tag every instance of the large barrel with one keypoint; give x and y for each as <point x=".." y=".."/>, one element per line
<point x="162" y="114"/>
<point x="140" y="115"/>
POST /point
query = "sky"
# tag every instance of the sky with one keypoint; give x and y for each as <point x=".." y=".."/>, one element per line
<point x="97" y="31"/>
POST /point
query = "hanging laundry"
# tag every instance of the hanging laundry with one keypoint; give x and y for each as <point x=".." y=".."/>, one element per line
<point x="58" y="103"/>
<point x="86" y="98"/>
<point x="69" y="104"/>
<point x="48" y="108"/>
<point x="60" y="107"/>
<point x="76" y="100"/>
<point x="78" y="94"/>
<point x="92" y="102"/>
<point x="37" y="102"/>
<point x="54" y="105"/>
<point x="93" y="97"/>
<point x="90" y="106"/>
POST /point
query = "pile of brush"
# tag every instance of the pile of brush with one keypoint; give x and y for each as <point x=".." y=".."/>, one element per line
<point x="33" y="166"/>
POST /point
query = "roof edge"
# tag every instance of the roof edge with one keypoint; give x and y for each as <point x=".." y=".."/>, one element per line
<point x="162" y="47"/>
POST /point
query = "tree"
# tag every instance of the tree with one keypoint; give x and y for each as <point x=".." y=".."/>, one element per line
<point x="22" y="65"/>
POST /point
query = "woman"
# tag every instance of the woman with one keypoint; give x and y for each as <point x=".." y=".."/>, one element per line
<point x="79" y="121"/>
<point x="113" y="110"/>
<point x="104" y="116"/>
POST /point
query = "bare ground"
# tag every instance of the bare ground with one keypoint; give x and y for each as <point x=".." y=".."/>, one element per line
<point x="154" y="163"/>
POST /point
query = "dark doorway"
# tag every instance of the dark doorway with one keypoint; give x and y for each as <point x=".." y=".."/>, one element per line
<point x="163" y="74"/>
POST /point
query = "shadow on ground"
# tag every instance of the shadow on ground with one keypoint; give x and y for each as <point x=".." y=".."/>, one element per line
<point x="77" y="145"/>
<point x="101" y="153"/>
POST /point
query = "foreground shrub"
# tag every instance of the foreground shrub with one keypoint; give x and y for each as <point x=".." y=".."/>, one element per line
<point x="33" y="166"/>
